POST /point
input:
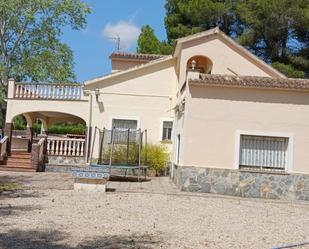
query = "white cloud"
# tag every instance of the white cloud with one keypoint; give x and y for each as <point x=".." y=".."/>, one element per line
<point x="127" y="31"/>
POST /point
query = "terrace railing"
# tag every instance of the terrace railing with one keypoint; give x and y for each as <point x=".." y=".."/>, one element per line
<point x="48" y="91"/>
<point x="65" y="147"/>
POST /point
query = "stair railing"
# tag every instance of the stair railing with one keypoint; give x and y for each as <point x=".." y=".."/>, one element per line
<point x="38" y="154"/>
<point x="3" y="147"/>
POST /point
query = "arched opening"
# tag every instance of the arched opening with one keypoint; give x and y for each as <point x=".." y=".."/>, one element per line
<point x="63" y="129"/>
<point x="200" y="63"/>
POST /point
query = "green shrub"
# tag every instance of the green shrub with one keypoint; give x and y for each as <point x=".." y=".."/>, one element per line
<point x="157" y="157"/>
<point x="65" y="128"/>
<point x="19" y="123"/>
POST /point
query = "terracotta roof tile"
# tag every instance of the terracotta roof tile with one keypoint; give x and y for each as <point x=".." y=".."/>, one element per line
<point x="125" y="55"/>
<point x="251" y="82"/>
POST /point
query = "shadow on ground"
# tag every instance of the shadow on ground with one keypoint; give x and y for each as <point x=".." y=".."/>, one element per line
<point x="7" y="209"/>
<point x="55" y="240"/>
<point x="128" y="179"/>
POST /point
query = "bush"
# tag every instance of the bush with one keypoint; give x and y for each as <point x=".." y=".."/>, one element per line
<point x="157" y="157"/>
<point x="65" y="128"/>
<point x="19" y="123"/>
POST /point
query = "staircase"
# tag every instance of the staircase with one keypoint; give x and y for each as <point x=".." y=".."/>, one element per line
<point x="18" y="161"/>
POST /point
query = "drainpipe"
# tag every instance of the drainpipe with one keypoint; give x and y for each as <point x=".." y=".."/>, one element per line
<point x="89" y="130"/>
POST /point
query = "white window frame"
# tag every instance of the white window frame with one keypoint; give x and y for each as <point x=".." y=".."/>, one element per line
<point x="110" y="122"/>
<point x="290" y="148"/>
<point x="161" y="129"/>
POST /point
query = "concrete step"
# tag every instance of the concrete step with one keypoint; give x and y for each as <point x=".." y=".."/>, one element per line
<point x="18" y="161"/>
<point x="18" y="164"/>
<point x="20" y="156"/>
<point x="16" y="169"/>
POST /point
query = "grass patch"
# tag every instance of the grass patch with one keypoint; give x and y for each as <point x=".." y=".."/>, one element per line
<point x="8" y="186"/>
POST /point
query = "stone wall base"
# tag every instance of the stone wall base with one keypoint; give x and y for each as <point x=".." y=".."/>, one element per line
<point x="244" y="184"/>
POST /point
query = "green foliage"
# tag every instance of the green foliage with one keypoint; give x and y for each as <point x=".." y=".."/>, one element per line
<point x="288" y="70"/>
<point x="121" y="155"/>
<point x="186" y="17"/>
<point x="157" y="157"/>
<point x="66" y="128"/>
<point x="275" y="30"/>
<point x="148" y="43"/>
<point x="31" y="48"/>
<point x="37" y="127"/>
<point x="8" y="186"/>
<point x="19" y="123"/>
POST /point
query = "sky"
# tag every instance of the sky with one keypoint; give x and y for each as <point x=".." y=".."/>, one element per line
<point x="109" y="18"/>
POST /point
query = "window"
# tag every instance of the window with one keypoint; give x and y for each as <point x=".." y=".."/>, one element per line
<point x="263" y="152"/>
<point x="124" y="124"/>
<point x="122" y="127"/>
<point x="167" y="130"/>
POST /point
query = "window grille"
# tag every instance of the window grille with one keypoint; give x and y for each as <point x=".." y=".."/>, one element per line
<point x="263" y="152"/>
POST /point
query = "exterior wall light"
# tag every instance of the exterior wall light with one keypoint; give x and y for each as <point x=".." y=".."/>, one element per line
<point x="193" y="64"/>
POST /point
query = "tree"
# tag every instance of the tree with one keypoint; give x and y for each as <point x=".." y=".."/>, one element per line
<point x="186" y="17"/>
<point x="278" y="32"/>
<point x="275" y="30"/>
<point x="30" y="46"/>
<point x="148" y="43"/>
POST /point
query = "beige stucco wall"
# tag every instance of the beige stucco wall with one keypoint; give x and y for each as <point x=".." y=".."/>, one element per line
<point x="223" y="56"/>
<point x="216" y="115"/>
<point x="144" y="95"/>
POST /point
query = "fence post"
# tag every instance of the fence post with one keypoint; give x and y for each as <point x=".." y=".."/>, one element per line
<point x="11" y="88"/>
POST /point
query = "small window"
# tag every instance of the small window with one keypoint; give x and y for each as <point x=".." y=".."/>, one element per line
<point x="167" y="130"/>
<point x="263" y="152"/>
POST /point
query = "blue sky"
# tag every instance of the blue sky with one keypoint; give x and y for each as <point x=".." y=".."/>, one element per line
<point x="91" y="46"/>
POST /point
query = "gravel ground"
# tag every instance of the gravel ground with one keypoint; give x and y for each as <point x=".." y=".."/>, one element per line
<point x="48" y="214"/>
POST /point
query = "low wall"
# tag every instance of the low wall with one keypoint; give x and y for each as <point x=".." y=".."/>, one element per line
<point x="66" y="160"/>
<point x="63" y="163"/>
<point x="240" y="183"/>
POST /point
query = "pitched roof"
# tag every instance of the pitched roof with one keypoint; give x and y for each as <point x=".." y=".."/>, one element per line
<point x="217" y="32"/>
<point x="112" y="75"/>
<point x="251" y="82"/>
<point x="135" y="56"/>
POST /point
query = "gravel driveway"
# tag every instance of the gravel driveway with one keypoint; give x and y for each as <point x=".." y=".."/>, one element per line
<point x="47" y="213"/>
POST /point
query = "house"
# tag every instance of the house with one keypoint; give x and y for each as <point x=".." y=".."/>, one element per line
<point x="234" y="124"/>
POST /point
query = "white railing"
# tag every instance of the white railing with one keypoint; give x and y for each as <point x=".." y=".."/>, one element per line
<point x="3" y="147"/>
<point x="65" y="146"/>
<point x="48" y="91"/>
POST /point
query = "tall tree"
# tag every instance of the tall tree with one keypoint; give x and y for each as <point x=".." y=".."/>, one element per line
<point x="278" y="32"/>
<point x="30" y="46"/>
<point x="148" y="43"/>
<point x="186" y="17"/>
<point x="275" y="30"/>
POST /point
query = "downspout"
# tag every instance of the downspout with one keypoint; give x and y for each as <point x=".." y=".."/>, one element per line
<point x="89" y="129"/>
